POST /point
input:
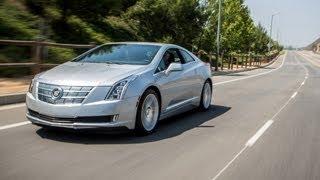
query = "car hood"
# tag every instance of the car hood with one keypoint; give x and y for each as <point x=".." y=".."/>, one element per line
<point x="88" y="74"/>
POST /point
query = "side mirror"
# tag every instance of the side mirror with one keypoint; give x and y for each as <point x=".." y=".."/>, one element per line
<point x="173" y="67"/>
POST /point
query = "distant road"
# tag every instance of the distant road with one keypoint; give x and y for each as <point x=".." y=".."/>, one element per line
<point x="263" y="124"/>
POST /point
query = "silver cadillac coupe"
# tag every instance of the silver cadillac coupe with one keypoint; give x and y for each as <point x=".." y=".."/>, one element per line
<point x="120" y="85"/>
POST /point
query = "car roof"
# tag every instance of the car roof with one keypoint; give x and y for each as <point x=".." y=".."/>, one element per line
<point x="144" y="43"/>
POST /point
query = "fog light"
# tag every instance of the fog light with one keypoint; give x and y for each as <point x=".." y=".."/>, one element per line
<point x="115" y="117"/>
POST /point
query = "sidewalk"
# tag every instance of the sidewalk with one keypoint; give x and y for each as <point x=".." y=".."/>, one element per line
<point x="14" y="85"/>
<point x="240" y="69"/>
<point x="13" y="90"/>
<point x="217" y="79"/>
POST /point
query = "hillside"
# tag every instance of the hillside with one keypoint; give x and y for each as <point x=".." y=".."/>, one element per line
<point x="311" y="46"/>
<point x="22" y="20"/>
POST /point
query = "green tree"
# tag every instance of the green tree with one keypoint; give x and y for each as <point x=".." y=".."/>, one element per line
<point x="261" y="40"/>
<point x="173" y="21"/>
<point x="239" y="34"/>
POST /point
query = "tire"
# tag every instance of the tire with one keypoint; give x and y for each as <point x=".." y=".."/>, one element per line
<point x="148" y="113"/>
<point x="206" y="96"/>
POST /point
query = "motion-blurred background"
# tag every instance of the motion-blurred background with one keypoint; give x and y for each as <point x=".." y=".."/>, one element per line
<point x="189" y="23"/>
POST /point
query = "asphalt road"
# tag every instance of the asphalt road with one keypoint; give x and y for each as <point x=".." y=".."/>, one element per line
<point x="263" y="124"/>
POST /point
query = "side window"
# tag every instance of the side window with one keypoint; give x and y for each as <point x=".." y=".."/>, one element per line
<point x="161" y="66"/>
<point x="176" y="55"/>
<point x="170" y="56"/>
<point x="187" y="57"/>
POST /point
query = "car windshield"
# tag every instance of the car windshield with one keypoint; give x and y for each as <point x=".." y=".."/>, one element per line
<point x="136" y="54"/>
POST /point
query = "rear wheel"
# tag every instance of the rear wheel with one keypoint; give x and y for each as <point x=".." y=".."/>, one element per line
<point x="148" y="113"/>
<point x="206" y="96"/>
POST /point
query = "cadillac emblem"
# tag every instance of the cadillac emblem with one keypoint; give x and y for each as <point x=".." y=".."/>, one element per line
<point x="56" y="93"/>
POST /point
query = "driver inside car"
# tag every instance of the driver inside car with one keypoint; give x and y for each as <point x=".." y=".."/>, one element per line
<point x="168" y="59"/>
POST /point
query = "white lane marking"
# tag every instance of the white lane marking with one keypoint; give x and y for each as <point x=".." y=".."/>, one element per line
<point x="302" y="83"/>
<point x="313" y="58"/>
<point x="254" y="138"/>
<point x="259" y="133"/>
<point x="230" y="162"/>
<point x="249" y="143"/>
<point x="12" y="106"/>
<point x="238" y="79"/>
<point x="294" y="95"/>
<point x="14" y="125"/>
<point x="308" y="58"/>
<point x="6" y="107"/>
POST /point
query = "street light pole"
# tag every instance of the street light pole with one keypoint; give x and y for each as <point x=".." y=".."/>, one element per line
<point x="271" y="24"/>
<point x="218" y="36"/>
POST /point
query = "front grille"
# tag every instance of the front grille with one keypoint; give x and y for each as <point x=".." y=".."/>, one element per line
<point x="92" y="119"/>
<point x="71" y="94"/>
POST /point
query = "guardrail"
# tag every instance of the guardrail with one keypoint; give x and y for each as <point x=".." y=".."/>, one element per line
<point x="37" y="51"/>
<point x="237" y="60"/>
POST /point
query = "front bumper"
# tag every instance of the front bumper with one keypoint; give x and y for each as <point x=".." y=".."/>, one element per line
<point x="123" y="113"/>
<point x="74" y="125"/>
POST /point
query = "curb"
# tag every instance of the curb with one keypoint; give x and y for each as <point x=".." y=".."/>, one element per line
<point x="12" y="98"/>
<point x="219" y="73"/>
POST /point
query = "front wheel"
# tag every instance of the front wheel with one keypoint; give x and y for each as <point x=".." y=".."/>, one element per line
<point x="206" y="96"/>
<point x="147" y="113"/>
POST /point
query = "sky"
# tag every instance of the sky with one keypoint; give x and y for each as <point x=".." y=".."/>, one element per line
<point x="298" y="21"/>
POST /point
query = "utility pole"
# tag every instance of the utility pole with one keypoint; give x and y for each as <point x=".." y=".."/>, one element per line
<point x="270" y="42"/>
<point x="218" y="36"/>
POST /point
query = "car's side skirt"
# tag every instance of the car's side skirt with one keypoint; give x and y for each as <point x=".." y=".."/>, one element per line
<point x="179" y="107"/>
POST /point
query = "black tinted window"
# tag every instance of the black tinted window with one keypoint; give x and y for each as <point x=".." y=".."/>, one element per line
<point x="186" y="56"/>
<point x="177" y="57"/>
<point x="170" y="56"/>
<point x="121" y="54"/>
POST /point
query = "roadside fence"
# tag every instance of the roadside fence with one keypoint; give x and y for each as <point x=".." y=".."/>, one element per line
<point x="36" y="62"/>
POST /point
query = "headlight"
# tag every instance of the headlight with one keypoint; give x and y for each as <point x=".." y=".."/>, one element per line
<point x="119" y="88"/>
<point x="31" y="86"/>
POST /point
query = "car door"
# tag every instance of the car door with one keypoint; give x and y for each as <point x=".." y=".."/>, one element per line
<point x="173" y="86"/>
<point x="193" y="78"/>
